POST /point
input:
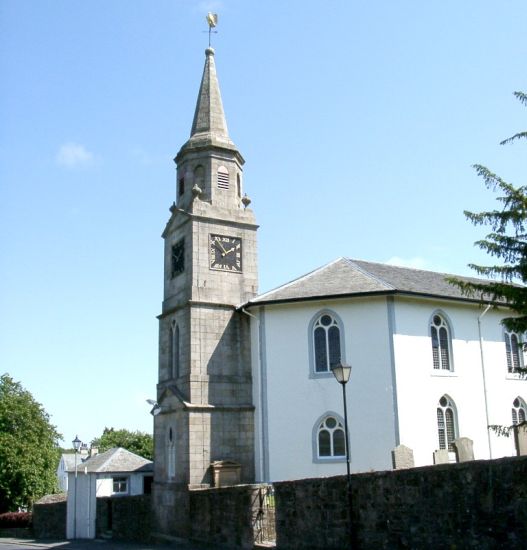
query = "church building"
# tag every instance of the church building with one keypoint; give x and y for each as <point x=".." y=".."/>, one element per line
<point x="246" y="378"/>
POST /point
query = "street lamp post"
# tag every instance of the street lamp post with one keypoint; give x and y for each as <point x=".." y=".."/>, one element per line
<point x="342" y="374"/>
<point x="76" y="445"/>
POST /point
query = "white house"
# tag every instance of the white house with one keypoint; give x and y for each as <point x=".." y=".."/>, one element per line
<point x="66" y="464"/>
<point x="428" y="365"/>
<point x="114" y="473"/>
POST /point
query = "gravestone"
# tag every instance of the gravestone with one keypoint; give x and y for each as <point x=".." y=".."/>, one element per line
<point x="520" y="439"/>
<point x="441" y="456"/>
<point x="464" y="449"/>
<point x="402" y="457"/>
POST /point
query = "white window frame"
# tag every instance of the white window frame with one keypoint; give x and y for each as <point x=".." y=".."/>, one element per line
<point x="519" y="409"/>
<point x="123" y="483"/>
<point x="313" y="325"/>
<point x="317" y="428"/>
<point x="442" y="409"/>
<point x="443" y="367"/>
<point x="514" y="357"/>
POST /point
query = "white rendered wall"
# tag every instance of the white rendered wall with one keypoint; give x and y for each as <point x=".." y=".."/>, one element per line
<point x="105" y="484"/>
<point x="420" y="386"/>
<point x="289" y="402"/>
<point x="81" y="504"/>
<point x="295" y="400"/>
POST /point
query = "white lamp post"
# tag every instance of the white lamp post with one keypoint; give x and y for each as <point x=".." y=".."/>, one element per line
<point x="342" y="375"/>
<point x="76" y="445"/>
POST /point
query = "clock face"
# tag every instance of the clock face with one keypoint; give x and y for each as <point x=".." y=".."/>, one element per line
<point x="178" y="258"/>
<point x="225" y="253"/>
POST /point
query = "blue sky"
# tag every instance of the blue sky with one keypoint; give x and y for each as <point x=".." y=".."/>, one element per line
<point x="359" y="123"/>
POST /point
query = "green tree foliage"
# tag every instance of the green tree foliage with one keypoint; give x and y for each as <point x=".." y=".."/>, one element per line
<point x="137" y="442"/>
<point x="507" y="242"/>
<point x="29" y="451"/>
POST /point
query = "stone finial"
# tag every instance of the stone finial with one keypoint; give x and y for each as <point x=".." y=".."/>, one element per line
<point x="196" y="190"/>
<point x="402" y="457"/>
<point x="441" y="456"/>
<point x="464" y="449"/>
<point x="246" y="201"/>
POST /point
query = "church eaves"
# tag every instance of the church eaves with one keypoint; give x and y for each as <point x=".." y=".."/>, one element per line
<point x="209" y="127"/>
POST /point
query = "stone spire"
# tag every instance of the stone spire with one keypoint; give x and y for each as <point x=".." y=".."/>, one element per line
<point x="209" y="127"/>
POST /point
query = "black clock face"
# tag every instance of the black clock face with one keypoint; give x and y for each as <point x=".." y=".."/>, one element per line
<point x="178" y="258"/>
<point x="226" y="253"/>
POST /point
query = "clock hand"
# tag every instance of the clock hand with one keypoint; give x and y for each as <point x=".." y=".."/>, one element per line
<point x="229" y="251"/>
<point x="221" y="246"/>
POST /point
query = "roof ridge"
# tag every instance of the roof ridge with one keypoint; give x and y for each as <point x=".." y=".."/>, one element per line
<point x="368" y="274"/>
<point x="293" y="281"/>
<point x="108" y="459"/>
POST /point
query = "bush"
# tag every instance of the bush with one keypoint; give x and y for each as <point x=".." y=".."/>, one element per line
<point x="16" y="519"/>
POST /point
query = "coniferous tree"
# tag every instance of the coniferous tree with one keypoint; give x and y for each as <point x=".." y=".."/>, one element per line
<point x="507" y="242"/>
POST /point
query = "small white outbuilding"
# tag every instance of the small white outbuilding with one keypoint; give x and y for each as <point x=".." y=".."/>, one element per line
<point x="114" y="473"/>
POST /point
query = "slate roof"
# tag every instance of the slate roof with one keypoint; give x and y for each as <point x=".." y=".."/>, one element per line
<point x="116" y="460"/>
<point x="348" y="277"/>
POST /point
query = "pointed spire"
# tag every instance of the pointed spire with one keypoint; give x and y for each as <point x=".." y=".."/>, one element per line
<point x="209" y="115"/>
<point x="209" y="127"/>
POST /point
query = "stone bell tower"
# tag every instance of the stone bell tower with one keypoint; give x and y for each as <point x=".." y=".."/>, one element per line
<point x="204" y="392"/>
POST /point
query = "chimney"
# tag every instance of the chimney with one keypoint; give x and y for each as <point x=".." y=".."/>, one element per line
<point x="94" y="451"/>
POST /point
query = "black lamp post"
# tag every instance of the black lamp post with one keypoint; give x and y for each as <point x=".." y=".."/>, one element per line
<point x="76" y="445"/>
<point x="342" y="375"/>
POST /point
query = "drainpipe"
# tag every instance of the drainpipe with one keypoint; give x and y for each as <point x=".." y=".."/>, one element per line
<point x="484" y="379"/>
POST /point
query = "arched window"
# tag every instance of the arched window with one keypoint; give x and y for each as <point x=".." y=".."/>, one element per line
<point x="174" y="350"/>
<point x="519" y="411"/>
<point x="441" y="346"/>
<point x="326" y="342"/>
<point x="513" y="348"/>
<point x="223" y="177"/>
<point x="331" y="442"/>
<point x="171" y="453"/>
<point x="239" y="186"/>
<point x="446" y="423"/>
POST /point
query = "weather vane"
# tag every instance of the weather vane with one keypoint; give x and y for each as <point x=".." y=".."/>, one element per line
<point x="212" y="20"/>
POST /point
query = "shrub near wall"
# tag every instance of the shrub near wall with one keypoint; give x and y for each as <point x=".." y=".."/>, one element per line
<point x="474" y="505"/>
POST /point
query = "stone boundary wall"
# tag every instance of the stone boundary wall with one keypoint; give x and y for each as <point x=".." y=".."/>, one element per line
<point x="49" y="517"/>
<point x="130" y="517"/>
<point x="223" y="517"/>
<point x="473" y="505"/>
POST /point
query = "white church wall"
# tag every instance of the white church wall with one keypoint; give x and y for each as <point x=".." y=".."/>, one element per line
<point x="420" y="386"/>
<point x="296" y="400"/>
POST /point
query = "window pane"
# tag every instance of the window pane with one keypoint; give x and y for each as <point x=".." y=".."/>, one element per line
<point x="514" y="417"/>
<point x="325" y="320"/>
<point x="441" y="429"/>
<point x="324" y="444"/>
<point x="339" y="447"/>
<point x="321" y="356"/>
<point x="443" y="341"/>
<point x="521" y="415"/>
<point x="514" y="352"/>
<point x="450" y="433"/>
<point x="334" y="345"/>
<point x="331" y="422"/>
<point x="508" y="350"/>
<point x="435" y="346"/>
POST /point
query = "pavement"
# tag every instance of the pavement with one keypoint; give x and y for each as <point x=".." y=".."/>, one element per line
<point x="95" y="544"/>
